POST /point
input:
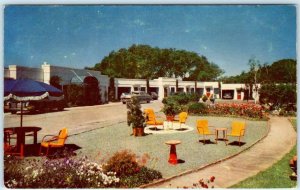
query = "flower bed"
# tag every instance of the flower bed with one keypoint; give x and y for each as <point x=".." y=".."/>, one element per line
<point x="122" y="170"/>
<point x="248" y="110"/>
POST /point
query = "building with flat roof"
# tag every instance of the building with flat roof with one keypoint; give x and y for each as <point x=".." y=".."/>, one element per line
<point x="162" y="86"/>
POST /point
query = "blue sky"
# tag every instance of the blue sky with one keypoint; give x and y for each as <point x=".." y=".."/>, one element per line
<point x="79" y="36"/>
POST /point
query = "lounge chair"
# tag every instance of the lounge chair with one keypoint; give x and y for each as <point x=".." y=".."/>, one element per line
<point x="203" y="129"/>
<point x="54" y="141"/>
<point x="237" y="130"/>
<point x="151" y="119"/>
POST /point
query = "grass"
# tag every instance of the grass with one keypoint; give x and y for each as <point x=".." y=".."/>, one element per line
<point x="102" y="143"/>
<point x="277" y="176"/>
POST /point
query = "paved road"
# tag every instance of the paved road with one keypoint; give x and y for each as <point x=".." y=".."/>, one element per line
<point x="281" y="138"/>
<point x="76" y="119"/>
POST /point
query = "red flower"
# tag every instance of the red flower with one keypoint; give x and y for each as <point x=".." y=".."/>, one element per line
<point x="212" y="178"/>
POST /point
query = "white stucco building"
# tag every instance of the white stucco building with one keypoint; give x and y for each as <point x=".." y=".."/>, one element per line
<point x="162" y="86"/>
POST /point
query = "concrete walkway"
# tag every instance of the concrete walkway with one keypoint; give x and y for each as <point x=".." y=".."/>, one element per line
<point x="281" y="138"/>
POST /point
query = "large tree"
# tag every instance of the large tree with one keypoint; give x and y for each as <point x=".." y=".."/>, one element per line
<point x="145" y="62"/>
<point x="282" y="71"/>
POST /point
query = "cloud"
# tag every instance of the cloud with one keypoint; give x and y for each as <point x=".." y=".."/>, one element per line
<point x="187" y="30"/>
<point x="139" y="22"/>
<point x="270" y="48"/>
<point x="204" y="47"/>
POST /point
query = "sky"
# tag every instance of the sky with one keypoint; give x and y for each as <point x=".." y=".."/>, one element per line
<point x="81" y="36"/>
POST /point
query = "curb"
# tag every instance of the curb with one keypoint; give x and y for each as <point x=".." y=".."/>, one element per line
<point x="208" y="165"/>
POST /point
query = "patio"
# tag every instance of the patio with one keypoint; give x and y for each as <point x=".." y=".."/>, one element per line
<point x="102" y="143"/>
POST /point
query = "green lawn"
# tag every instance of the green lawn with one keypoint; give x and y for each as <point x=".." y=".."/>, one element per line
<point x="277" y="176"/>
<point x="103" y="142"/>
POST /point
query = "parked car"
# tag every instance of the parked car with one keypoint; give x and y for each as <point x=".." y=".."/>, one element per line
<point x="125" y="97"/>
<point x="141" y="95"/>
<point x="227" y="96"/>
<point x="36" y="106"/>
<point x="154" y="95"/>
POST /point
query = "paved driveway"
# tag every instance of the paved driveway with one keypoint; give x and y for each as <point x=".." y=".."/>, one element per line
<point x="76" y="119"/>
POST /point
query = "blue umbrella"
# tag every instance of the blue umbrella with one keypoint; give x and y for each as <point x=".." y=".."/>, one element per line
<point x="25" y="89"/>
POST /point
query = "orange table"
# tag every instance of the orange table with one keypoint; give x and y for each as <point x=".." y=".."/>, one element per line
<point x="21" y="133"/>
<point x="224" y="130"/>
<point x="173" y="155"/>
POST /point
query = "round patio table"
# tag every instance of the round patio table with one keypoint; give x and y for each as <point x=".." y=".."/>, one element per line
<point x="224" y="130"/>
<point x="173" y="154"/>
<point x="21" y="132"/>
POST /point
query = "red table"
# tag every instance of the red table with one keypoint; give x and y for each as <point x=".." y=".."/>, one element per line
<point x="21" y="133"/>
<point x="173" y="155"/>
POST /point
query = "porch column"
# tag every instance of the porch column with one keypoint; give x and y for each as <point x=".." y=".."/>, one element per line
<point x="12" y="71"/>
<point x="46" y="72"/>
<point x="116" y="93"/>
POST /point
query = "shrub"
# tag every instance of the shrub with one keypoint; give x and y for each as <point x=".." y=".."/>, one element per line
<point x="204" y="98"/>
<point x="198" y="108"/>
<point x="131" y="169"/>
<point x="144" y="176"/>
<point x="123" y="163"/>
<point x="178" y="102"/>
<point x="135" y="117"/>
<point x="183" y="98"/>
<point x="171" y="107"/>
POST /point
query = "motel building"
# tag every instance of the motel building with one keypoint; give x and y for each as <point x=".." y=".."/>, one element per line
<point x="162" y="86"/>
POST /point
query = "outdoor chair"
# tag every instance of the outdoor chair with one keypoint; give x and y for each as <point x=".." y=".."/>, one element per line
<point x="237" y="130"/>
<point x="203" y="129"/>
<point x="9" y="148"/>
<point x="182" y="118"/>
<point x="151" y="119"/>
<point x="54" y="141"/>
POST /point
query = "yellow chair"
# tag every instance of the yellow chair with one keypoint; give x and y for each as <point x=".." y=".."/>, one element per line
<point x="238" y="130"/>
<point x="55" y="141"/>
<point x="182" y="118"/>
<point x="202" y="127"/>
<point x="151" y="118"/>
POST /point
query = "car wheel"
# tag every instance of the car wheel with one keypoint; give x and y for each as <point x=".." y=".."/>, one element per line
<point x="124" y="102"/>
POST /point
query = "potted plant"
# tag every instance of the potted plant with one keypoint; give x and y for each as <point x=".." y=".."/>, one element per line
<point x="135" y="117"/>
<point x="170" y="109"/>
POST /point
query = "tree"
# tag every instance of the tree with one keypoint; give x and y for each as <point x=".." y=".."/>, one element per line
<point x="55" y="81"/>
<point x="145" y="62"/>
<point x="284" y="71"/>
<point x="278" y="96"/>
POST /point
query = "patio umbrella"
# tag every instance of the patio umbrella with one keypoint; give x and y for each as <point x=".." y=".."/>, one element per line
<point x="24" y="90"/>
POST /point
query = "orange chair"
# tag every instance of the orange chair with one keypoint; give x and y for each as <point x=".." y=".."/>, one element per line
<point x="202" y="127"/>
<point x="54" y="141"/>
<point x="182" y="118"/>
<point x="238" y="130"/>
<point x="8" y="147"/>
<point x="151" y="119"/>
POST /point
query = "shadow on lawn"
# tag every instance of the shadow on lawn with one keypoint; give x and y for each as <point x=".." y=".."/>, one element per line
<point x="207" y="142"/>
<point x="67" y="150"/>
<point x="236" y="143"/>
